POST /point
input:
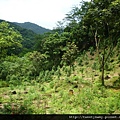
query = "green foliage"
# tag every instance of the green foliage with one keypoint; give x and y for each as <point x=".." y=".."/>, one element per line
<point x="56" y="47"/>
<point x="79" y="61"/>
<point x="3" y="84"/>
<point x="108" y="67"/>
<point x="91" y="49"/>
<point x="17" y="69"/>
<point x="28" y="38"/>
<point x="44" y="76"/>
<point x="101" y="29"/>
<point x="118" y="45"/>
<point x="10" y="40"/>
<point x="70" y="54"/>
<point x="11" y="108"/>
<point x="39" y="61"/>
<point x="95" y="66"/>
<point x="119" y="58"/>
<point x="116" y="83"/>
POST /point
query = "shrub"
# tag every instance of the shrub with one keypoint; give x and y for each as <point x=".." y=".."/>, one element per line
<point x="108" y="67"/>
<point x="95" y="66"/>
<point x="15" y="68"/>
<point x="79" y="60"/>
<point x="4" y="84"/>
<point x="44" y="76"/>
<point x="39" y="61"/>
<point x="117" y="83"/>
<point x="91" y="49"/>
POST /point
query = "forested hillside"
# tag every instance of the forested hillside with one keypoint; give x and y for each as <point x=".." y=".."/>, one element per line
<point x="29" y="32"/>
<point x="74" y="69"/>
<point x="31" y="26"/>
<point x="28" y="37"/>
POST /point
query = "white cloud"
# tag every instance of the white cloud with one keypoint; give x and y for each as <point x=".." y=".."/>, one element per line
<point x="46" y="13"/>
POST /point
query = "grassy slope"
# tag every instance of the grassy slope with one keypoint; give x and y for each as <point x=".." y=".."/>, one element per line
<point x="81" y="92"/>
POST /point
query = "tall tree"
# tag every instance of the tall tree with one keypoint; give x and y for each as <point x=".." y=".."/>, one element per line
<point x="103" y="18"/>
<point x="78" y="31"/>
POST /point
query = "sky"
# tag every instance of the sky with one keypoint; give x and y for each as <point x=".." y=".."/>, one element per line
<point x="45" y="13"/>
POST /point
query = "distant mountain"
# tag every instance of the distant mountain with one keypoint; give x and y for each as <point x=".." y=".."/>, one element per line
<point x="34" y="27"/>
<point x="27" y="30"/>
<point x="28" y="35"/>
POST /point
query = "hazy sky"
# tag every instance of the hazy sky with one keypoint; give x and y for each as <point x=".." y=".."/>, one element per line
<point x="45" y="13"/>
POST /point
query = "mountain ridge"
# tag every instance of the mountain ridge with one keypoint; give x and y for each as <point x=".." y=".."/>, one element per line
<point x="28" y="26"/>
<point x="34" y="27"/>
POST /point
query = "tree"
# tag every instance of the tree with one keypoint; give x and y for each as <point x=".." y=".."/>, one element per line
<point x="60" y="27"/>
<point x="39" y="61"/>
<point x="78" y="29"/>
<point x="70" y="54"/>
<point x="104" y="21"/>
<point x="10" y="40"/>
<point x="52" y="46"/>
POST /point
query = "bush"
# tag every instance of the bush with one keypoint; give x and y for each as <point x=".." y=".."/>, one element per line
<point x="39" y="61"/>
<point x="79" y="60"/>
<point x="44" y="76"/>
<point x="95" y="66"/>
<point x="4" y="84"/>
<point x="14" y="68"/>
<point x="117" y="83"/>
<point x="108" y="67"/>
<point x="91" y="49"/>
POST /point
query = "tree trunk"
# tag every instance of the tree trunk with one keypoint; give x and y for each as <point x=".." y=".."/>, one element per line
<point x="102" y="74"/>
<point x="103" y="68"/>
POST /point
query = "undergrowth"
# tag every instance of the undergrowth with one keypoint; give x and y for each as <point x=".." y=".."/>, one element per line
<point x="62" y="91"/>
